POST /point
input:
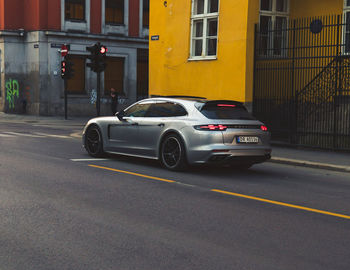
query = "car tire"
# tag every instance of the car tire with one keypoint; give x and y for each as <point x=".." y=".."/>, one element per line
<point x="173" y="153"/>
<point x="93" y="141"/>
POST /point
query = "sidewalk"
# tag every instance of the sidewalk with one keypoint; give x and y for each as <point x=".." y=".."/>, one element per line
<point x="45" y="120"/>
<point x="329" y="160"/>
<point x="314" y="158"/>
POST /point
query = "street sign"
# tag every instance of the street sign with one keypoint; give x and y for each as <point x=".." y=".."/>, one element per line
<point x="64" y="50"/>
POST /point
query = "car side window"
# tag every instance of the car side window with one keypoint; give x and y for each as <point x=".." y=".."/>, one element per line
<point x="138" y="110"/>
<point x="166" y="109"/>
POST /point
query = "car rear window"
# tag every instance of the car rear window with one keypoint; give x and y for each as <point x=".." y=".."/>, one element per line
<point x="226" y="111"/>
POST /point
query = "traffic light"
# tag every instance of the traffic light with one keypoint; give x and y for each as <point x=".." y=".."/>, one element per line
<point x="97" y="57"/>
<point x="93" y="57"/>
<point x="101" y="62"/>
<point x="63" y="69"/>
<point x="67" y="70"/>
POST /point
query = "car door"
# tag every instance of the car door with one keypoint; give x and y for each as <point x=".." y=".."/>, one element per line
<point x="124" y="133"/>
<point x="158" y="117"/>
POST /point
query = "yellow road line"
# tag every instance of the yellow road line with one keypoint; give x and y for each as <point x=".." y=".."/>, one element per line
<point x="231" y="193"/>
<point x="132" y="173"/>
<point x="282" y="204"/>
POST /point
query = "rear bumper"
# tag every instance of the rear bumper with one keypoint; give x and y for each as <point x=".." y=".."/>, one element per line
<point x="230" y="159"/>
<point x="229" y="156"/>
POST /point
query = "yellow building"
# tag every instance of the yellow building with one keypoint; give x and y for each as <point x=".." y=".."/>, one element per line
<point x="206" y="47"/>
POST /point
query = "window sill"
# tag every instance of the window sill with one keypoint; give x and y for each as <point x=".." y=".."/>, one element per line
<point x="75" y="21"/>
<point x="115" y="29"/>
<point x="206" y="58"/>
<point x="81" y="26"/>
<point x="115" y="24"/>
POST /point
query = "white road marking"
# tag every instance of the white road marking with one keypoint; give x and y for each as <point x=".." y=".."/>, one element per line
<point x="24" y="134"/>
<point x="52" y="135"/>
<point x="7" y="135"/>
<point x="10" y="134"/>
<point x="88" y="159"/>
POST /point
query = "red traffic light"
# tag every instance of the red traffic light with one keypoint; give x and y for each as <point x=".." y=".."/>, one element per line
<point x="103" y="49"/>
<point x="63" y="69"/>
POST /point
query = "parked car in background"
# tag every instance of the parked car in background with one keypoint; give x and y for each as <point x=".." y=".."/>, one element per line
<point x="180" y="131"/>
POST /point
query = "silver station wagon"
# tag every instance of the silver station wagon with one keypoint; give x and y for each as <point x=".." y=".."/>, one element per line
<point x="181" y="131"/>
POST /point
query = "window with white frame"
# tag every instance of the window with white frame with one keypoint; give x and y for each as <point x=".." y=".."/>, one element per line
<point x="74" y="10"/>
<point x="204" y="29"/>
<point x="273" y="24"/>
<point x="144" y="18"/>
<point x="346" y="46"/>
<point x="115" y="14"/>
<point x="114" y="11"/>
<point x="75" y="15"/>
<point x="145" y="13"/>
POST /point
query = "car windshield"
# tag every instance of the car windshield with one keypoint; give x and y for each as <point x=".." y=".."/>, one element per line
<point x="226" y="111"/>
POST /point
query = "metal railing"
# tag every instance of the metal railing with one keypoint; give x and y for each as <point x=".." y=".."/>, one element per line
<point x="302" y="82"/>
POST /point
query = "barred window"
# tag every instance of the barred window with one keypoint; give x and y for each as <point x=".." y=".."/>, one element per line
<point x="204" y="29"/>
<point x="74" y="10"/>
<point x="273" y="24"/>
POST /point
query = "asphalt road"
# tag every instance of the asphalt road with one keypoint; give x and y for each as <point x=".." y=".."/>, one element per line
<point x="61" y="210"/>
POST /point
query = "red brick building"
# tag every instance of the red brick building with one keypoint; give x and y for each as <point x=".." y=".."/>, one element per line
<point x="31" y="34"/>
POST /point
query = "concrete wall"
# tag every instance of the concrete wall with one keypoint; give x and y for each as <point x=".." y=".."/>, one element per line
<point x="30" y="72"/>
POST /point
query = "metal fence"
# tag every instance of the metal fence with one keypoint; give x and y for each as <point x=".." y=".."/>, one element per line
<point x="302" y="81"/>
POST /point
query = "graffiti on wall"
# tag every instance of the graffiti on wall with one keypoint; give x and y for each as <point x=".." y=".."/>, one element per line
<point x="93" y="96"/>
<point x="12" y="92"/>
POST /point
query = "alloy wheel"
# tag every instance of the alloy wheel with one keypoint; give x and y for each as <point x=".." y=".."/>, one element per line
<point x="94" y="142"/>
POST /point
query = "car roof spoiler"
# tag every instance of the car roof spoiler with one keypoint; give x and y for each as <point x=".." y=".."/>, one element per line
<point x="218" y="103"/>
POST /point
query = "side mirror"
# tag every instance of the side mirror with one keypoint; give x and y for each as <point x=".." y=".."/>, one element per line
<point x="120" y="115"/>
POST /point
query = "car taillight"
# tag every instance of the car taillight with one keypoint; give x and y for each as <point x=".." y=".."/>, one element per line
<point x="211" y="127"/>
<point x="226" y="105"/>
<point x="263" y="128"/>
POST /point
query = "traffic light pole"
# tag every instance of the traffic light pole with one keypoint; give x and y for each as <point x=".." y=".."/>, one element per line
<point x="65" y="100"/>
<point x="98" y="102"/>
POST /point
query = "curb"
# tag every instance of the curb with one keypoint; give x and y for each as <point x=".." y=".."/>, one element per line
<point x="310" y="164"/>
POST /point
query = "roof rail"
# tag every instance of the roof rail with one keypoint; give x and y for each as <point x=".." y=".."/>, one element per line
<point x="180" y="96"/>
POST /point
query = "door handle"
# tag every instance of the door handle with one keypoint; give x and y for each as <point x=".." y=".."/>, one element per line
<point x="161" y="125"/>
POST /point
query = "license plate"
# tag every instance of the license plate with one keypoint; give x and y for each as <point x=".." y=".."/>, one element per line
<point x="247" y="139"/>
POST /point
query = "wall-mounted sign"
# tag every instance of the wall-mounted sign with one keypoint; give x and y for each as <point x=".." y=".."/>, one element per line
<point x="36" y="46"/>
<point x="64" y="50"/>
<point x="155" y="37"/>
<point x="55" y="45"/>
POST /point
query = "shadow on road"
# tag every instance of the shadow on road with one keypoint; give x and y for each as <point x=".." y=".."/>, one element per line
<point x="198" y="170"/>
